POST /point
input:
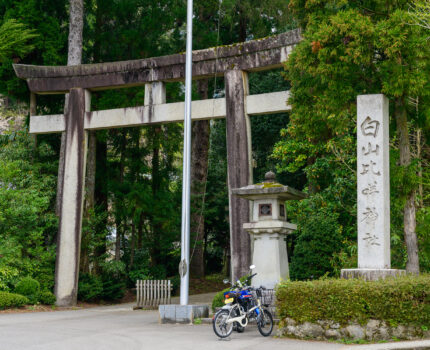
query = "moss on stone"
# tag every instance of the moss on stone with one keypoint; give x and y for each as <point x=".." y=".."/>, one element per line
<point x="269" y="184"/>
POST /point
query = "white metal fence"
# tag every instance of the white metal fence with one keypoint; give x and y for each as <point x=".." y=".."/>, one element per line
<point x="151" y="293"/>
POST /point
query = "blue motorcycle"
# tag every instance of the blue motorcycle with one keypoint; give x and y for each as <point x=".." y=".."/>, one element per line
<point x="242" y="304"/>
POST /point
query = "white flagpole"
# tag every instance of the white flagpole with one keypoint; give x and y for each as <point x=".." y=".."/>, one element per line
<point x="185" y="227"/>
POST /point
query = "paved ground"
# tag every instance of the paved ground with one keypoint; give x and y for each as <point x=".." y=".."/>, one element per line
<point x="121" y="328"/>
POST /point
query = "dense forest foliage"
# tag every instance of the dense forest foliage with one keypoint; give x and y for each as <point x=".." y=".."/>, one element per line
<point x="131" y="226"/>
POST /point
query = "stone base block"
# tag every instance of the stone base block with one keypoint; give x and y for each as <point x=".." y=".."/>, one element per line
<point x="371" y="274"/>
<point x="182" y="313"/>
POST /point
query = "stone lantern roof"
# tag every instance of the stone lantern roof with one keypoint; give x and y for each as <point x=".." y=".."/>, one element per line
<point x="269" y="188"/>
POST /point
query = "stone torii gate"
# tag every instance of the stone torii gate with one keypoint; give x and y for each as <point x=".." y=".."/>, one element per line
<point x="233" y="62"/>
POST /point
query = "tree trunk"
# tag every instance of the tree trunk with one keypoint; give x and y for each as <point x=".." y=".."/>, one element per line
<point x="120" y="222"/>
<point x="156" y="227"/>
<point x="90" y="178"/>
<point x="118" y="239"/>
<point x="409" y="211"/>
<point x="101" y="182"/>
<point x="242" y="24"/>
<point x="90" y="184"/>
<point x="97" y="32"/>
<point x="420" y="169"/>
<point x="74" y="57"/>
<point x="101" y="202"/>
<point x="199" y="171"/>
<point x="140" y="232"/>
<point x="133" y="243"/>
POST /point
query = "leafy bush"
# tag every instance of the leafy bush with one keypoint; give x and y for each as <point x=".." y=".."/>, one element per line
<point x="28" y="224"/>
<point x="9" y="300"/>
<point x="139" y="274"/>
<point x="403" y="300"/>
<point x="218" y="300"/>
<point x="114" y="280"/>
<point x="46" y="297"/>
<point x="28" y="287"/>
<point x="8" y="277"/>
<point x="90" y="287"/>
<point x="320" y="237"/>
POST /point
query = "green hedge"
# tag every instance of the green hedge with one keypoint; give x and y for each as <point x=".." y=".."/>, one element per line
<point x="402" y="300"/>
<point x="9" y="300"/>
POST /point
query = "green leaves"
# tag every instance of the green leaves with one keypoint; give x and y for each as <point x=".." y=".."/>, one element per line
<point x="27" y="221"/>
<point x="320" y="236"/>
<point x="15" y="40"/>
<point x="404" y="66"/>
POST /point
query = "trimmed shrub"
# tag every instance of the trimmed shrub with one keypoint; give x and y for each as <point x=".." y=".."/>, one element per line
<point x="28" y="287"/>
<point x="402" y="300"/>
<point x="90" y="287"/>
<point x="46" y="297"/>
<point x="10" y="300"/>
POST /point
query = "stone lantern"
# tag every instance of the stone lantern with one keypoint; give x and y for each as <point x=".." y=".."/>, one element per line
<point x="268" y="228"/>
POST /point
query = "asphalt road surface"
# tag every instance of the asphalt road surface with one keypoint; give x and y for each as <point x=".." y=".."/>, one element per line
<point x="121" y="328"/>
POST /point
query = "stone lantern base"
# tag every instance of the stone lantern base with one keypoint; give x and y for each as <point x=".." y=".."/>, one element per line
<point x="270" y="251"/>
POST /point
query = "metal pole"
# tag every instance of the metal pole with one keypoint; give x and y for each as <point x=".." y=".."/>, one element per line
<point x="185" y="228"/>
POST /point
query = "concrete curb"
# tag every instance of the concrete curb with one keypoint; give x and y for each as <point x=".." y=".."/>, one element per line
<point x="403" y="345"/>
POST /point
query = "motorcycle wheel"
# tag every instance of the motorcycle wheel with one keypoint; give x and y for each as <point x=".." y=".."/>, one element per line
<point x="222" y="329"/>
<point x="265" y="323"/>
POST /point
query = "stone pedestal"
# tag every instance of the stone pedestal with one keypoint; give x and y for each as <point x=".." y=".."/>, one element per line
<point x="182" y="313"/>
<point x="270" y="251"/>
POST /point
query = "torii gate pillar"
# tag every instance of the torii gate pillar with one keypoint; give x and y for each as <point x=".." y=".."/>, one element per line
<point x="70" y="226"/>
<point x="239" y="168"/>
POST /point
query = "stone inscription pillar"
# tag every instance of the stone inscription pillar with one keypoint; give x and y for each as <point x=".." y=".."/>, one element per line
<point x="69" y="236"/>
<point x="373" y="189"/>
<point x="373" y="182"/>
<point x="239" y="169"/>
